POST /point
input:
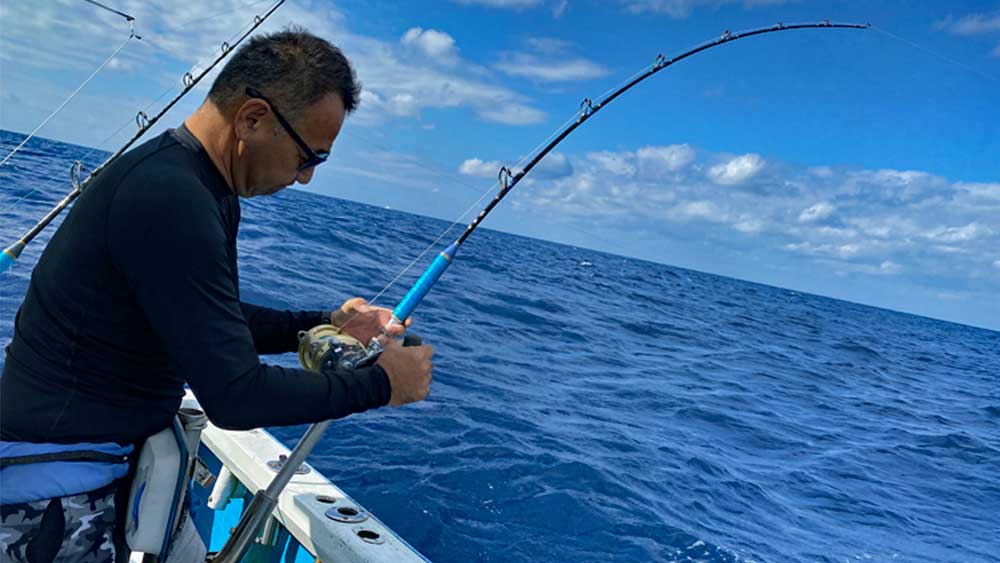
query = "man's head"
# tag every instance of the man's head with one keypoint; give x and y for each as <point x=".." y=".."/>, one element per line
<point x="308" y="82"/>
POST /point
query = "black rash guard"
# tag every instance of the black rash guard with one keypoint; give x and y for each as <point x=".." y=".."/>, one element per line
<point x="138" y="293"/>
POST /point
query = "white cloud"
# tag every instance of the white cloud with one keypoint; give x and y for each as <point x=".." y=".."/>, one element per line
<point x="985" y="190"/>
<point x="996" y="264"/>
<point x="972" y="24"/>
<point x="749" y="224"/>
<point x="619" y="164"/>
<point x="842" y="251"/>
<point x="549" y="60"/>
<point x="42" y="41"/>
<point x="433" y="43"/>
<point x="736" y="170"/>
<point x="531" y="66"/>
<point x="402" y="104"/>
<point x="477" y="167"/>
<point x="816" y="212"/>
<point x="836" y="232"/>
<point x="890" y="267"/>
<point x="699" y="210"/>
<point x="512" y="114"/>
<point x="549" y="45"/>
<point x="655" y="161"/>
<point x="679" y="9"/>
<point x="906" y="223"/>
<point x="959" y="234"/>
<point x="674" y="8"/>
<point x="554" y="165"/>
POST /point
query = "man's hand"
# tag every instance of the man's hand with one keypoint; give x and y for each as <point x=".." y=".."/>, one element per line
<point x="364" y="322"/>
<point x="409" y="371"/>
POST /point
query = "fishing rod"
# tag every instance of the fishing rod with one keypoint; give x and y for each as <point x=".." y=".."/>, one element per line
<point x="328" y="346"/>
<point x="143" y="121"/>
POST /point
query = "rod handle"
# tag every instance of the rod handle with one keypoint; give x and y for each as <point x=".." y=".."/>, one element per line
<point x="10" y="255"/>
<point x="424" y="283"/>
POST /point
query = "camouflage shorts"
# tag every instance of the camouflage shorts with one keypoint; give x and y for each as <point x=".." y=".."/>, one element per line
<point x="78" y="529"/>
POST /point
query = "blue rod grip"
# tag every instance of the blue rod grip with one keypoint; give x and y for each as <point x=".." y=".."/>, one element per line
<point x="424" y="283"/>
<point x="6" y="261"/>
<point x="10" y="255"/>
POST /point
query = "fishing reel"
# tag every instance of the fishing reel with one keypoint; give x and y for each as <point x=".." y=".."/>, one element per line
<point x="328" y="347"/>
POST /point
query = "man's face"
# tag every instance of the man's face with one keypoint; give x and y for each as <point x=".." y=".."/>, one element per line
<point x="273" y="158"/>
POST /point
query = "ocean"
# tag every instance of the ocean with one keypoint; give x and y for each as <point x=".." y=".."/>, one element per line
<point x="592" y="407"/>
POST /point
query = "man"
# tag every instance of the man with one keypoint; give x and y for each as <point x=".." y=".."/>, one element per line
<point x="138" y="293"/>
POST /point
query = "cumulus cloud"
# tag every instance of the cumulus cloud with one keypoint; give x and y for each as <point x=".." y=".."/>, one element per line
<point x="706" y="210"/>
<point x="554" y="165"/>
<point x="532" y="66"/>
<point x="890" y="267"/>
<point x="816" y="212"/>
<point x="549" y="60"/>
<point x="422" y="70"/>
<point x="972" y="24"/>
<point x="435" y="44"/>
<point x="984" y="190"/>
<point x="679" y="9"/>
<point x="736" y="170"/>
<point x="959" y="234"/>
<point x="480" y="168"/>
<point x="512" y="114"/>
<point x="619" y="164"/>
<point x="851" y="221"/>
<point x="653" y="161"/>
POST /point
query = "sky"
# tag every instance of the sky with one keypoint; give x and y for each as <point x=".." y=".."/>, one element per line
<point x="857" y="164"/>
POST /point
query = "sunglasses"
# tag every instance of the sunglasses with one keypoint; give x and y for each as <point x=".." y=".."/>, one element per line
<point x="312" y="158"/>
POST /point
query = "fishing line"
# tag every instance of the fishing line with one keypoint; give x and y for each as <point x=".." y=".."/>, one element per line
<point x="326" y="346"/>
<point x="12" y="252"/>
<point x="100" y="146"/>
<point x="938" y="55"/>
<point x="474" y="205"/>
<point x="509" y="177"/>
<point x="131" y="36"/>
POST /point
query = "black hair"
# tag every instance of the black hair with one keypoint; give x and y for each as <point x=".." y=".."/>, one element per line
<point x="293" y="68"/>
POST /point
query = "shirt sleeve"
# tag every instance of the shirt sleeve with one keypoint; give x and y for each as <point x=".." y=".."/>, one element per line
<point x="167" y="238"/>
<point x="277" y="332"/>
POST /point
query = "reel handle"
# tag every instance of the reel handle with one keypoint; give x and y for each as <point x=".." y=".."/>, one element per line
<point x="376" y="349"/>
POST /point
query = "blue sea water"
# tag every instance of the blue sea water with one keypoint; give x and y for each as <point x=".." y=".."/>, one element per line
<point x="590" y="407"/>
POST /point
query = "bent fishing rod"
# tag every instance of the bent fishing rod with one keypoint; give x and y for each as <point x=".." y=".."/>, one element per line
<point x="144" y="122"/>
<point x="327" y="346"/>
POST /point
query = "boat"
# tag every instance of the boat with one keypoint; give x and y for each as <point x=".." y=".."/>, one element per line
<point x="314" y="520"/>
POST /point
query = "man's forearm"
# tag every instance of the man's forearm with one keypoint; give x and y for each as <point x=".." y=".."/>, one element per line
<point x="276" y="332"/>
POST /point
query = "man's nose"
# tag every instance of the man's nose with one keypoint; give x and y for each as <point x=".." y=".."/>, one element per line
<point x="305" y="176"/>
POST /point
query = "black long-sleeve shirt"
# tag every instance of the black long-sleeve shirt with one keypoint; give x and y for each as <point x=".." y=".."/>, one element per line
<point x="138" y="293"/>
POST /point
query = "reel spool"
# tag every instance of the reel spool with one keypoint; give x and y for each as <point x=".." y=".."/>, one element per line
<point x="328" y="347"/>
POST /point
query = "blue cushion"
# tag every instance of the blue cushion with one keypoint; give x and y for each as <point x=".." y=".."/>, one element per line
<point x="51" y="479"/>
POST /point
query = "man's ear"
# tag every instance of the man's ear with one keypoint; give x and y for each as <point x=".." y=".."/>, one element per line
<point x="249" y="118"/>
